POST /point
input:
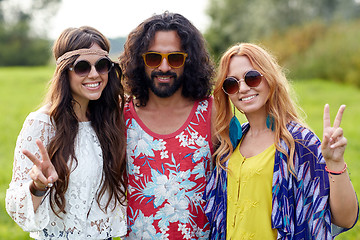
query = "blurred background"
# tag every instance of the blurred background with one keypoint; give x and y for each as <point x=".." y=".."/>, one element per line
<point x="316" y="41"/>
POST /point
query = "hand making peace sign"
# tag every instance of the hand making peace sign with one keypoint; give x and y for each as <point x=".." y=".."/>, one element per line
<point x="43" y="172"/>
<point x="333" y="143"/>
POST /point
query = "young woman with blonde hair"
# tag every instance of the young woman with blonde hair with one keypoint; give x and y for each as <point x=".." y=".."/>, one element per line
<point x="274" y="178"/>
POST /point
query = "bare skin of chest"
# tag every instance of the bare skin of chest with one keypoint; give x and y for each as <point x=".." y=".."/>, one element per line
<point x="164" y="120"/>
<point x="252" y="144"/>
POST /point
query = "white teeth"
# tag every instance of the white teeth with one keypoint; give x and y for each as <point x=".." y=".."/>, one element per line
<point x="248" y="98"/>
<point x="92" y="85"/>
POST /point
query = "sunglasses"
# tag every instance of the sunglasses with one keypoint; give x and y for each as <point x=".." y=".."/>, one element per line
<point x="174" y="59"/>
<point x="252" y="78"/>
<point x="83" y="67"/>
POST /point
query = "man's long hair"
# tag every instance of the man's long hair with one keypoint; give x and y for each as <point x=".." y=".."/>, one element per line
<point x="198" y="69"/>
<point x="105" y="114"/>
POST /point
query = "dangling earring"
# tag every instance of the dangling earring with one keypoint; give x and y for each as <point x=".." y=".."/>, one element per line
<point x="270" y="122"/>
<point x="235" y="130"/>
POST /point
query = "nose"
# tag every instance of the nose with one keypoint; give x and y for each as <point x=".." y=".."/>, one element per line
<point x="164" y="65"/>
<point x="243" y="87"/>
<point x="93" y="73"/>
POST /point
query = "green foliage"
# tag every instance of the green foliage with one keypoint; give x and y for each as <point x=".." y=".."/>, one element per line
<point x="253" y="20"/>
<point x="23" y="50"/>
<point x="19" y="46"/>
<point x="315" y="50"/>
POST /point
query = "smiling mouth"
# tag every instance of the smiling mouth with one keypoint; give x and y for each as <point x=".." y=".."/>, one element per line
<point x="164" y="79"/>
<point x="248" y="98"/>
<point x="92" y="85"/>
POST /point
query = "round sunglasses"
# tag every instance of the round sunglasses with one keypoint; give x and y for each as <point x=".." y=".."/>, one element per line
<point x="174" y="59"/>
<point x="252" y="78"/>
<point x="83" y="67"/>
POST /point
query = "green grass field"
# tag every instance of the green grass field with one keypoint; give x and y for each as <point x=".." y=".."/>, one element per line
<point x="22" y="91"/>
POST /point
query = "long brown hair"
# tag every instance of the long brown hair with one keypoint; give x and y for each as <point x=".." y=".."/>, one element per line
<point x="279" y="105"/>
<point x="105" y="114"/>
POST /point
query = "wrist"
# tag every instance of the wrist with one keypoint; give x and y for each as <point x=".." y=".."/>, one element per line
<point x="36" y="191"/>
<point x="336" y="169"/>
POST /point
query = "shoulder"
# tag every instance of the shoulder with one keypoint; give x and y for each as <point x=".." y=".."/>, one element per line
<point x="206" y="103"/>
<point x="300" y="132"/>
<point x="39" y="115"/>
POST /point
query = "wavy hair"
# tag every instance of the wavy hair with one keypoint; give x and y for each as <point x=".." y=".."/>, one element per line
<point x="105" y="114"/>
<point x="198" y="69"/>
<point x="279" y="105"/>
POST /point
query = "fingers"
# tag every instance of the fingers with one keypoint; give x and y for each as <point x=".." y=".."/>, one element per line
<point x="40" y="180"/>
<point x="326" y="117"/>
<point x="43" y="172"/>
<point x="326" y="140"/>
<point x="38" y="177"/>
<point x="43" y="151"/>
<point x="32" y="157"/>
<point x="337" y="139"/>
<point x="52" y="178"/>
<point x="339" y="116"/>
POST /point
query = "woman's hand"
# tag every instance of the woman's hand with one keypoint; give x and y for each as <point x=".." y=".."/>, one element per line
<point x="43" y="173"/>
<point x="333" y="143"/>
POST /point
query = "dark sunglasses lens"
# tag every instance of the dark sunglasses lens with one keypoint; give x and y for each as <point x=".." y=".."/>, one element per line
<point x="253" y="78"/>
<point x="230" y="85"/>
<point x="152" y="59"/>
<point x="82" y="68"/>
<point x="103" y="66"/>
<point x="176" y="59"/>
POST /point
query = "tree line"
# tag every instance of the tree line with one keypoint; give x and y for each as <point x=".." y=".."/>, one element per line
<point x="20" y="44"/>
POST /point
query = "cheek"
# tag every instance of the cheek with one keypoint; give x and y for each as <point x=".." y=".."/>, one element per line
<point x="266" y="88"/>
<point x="233" y="98"/>
<point x="74" y="83"/>
<point x="148" y="72"/>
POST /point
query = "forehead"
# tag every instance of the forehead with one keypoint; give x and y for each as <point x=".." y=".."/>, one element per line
<point x="92" y="56"/>
<point x="165" y="41"/>
<point x="239" y="65"/>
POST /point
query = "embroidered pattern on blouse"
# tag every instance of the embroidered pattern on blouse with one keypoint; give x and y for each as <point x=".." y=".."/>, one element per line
<point x="84" y="218"/>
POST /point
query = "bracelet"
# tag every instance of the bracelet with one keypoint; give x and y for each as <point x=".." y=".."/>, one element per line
<point x="37" y="191"/>
<point x="336" y="173"/>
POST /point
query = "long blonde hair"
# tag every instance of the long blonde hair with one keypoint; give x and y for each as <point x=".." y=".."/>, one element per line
<point x="280" y="105"/>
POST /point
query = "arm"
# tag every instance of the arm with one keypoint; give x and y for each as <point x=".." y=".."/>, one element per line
<point x="343" y="202"/>
<point x="43" y="174"/>
<point x="19" y="200"/>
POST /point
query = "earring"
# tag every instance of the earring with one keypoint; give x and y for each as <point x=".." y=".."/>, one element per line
<point x="270" y="122"/>
<point x="235" y="130"/>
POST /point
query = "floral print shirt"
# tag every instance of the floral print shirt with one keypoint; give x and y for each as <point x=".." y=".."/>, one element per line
<point x="167" y="175"/>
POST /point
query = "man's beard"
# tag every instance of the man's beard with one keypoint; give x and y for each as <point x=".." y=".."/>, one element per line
<point x="164" y="90"/>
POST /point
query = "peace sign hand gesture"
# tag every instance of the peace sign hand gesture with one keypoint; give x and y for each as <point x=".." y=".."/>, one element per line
<point x="334" y="143"/>
<point x="43" y="173"/>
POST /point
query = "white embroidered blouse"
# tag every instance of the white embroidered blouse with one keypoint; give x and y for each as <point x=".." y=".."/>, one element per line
<point x="83" y="219"/>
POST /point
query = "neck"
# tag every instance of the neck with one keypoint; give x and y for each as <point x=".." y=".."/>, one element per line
<point x="81" y="111"/>
<point x="173" y="101"/>
<point x="257" y="123"/>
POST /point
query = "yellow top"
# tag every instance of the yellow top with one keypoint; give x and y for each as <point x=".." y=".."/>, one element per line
<point x="250" y="196"/>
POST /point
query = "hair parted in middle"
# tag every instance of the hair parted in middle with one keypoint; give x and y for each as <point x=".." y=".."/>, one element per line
<point x="279" y="106"/>
<point x="105" y="114"/>
<point x="198" y="69"/>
